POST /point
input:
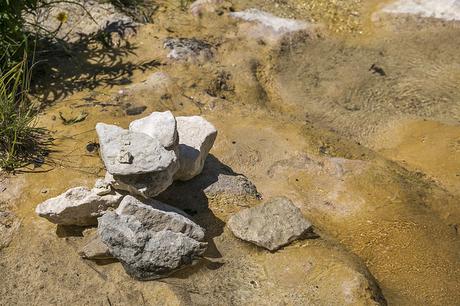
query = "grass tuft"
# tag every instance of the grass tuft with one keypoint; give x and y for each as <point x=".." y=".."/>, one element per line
<point x="21" y="141"/>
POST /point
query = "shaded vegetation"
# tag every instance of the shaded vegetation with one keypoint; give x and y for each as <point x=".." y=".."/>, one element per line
<point x="60" y="68"/>
<point x="21" y="142"/>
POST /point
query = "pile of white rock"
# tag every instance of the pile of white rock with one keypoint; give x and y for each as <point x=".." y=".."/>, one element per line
<point x="151" y="239"/>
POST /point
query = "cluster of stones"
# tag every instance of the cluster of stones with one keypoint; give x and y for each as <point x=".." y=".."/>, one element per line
<point x="151" y="239"/>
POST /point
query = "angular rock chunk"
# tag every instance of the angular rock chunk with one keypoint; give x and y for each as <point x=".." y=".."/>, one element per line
<point x="77" y="206"/>
<point x="158" y="125"/>
<point x="188" y="48"/>
<point x="95" y="249"/>
<point x="150" y="243"/>
<point x="157" y="216"/>
<point x="146" y="185"/>
<point x="129" y="153"/>
<point x="196" y="138"/>
<point x="271" y="225"/>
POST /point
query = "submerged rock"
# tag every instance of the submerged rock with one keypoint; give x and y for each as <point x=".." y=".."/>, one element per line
<point x="158" y="125"/>
<point x="447" y="10"/>
<point x="188" y="48"/>
<point x="77" y="206"/>
<point x="268" y="26"/>
<point x="271" y="225"/>
<point x="129" y="153"/>
<point x="151" y="243"/>
<point x="196" y="138"/>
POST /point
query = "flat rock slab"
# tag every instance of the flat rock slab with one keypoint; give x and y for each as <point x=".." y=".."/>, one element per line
<point x="271" y="225"/>
<point x="196" y="138"/>
<point x="129" y="153"/>
<point x="78" y="206"/>
<point x="151" y="239"/>
<point x="158" y="125"/>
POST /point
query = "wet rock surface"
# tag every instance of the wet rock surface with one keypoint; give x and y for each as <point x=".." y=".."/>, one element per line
<point x="267" y="26"/>
<point x="271" y="225"/>
<point x="77" y="206"/>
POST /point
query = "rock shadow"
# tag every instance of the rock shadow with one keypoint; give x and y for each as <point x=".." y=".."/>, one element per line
<point x="193" y="197"/>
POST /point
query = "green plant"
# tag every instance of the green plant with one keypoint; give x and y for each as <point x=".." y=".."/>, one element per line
<point x="21" y="141"/>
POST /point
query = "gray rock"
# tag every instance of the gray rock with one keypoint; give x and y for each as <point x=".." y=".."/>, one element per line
<point x="188" y="48"/>
<point x="271" y="225"/>
<point x="159" y="125"/>
<point x="150" y="243"/>
<point x="196" y="138"/>
<point x="146" y="185"/>
<point x="129" y="153"/>
<point x="95" y="249"/>
<point x="157" y="216"/>
<point x="77" y="206"/>
<point x="235" y="185"/>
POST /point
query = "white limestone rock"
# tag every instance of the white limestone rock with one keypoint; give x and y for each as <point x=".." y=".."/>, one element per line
<point x="441" y="9"/>
<point x="267" y="26"/>
<point x="78" y="206"/>
<point x="158" y="125"/>
<point x="129" y="153"/>
<point x="271" y="225"/>
<point x="196" y="138"/>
